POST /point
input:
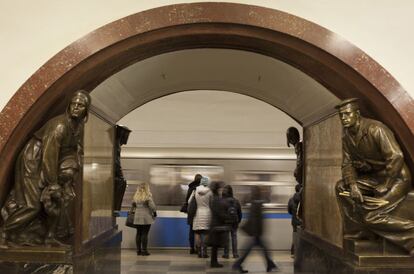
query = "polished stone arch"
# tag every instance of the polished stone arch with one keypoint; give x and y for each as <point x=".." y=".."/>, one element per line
<point x="335" y="63"/>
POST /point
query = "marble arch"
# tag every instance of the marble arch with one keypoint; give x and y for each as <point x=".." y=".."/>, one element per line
<point x="336" y="64"/>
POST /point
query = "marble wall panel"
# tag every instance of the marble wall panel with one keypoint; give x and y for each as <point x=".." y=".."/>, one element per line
<point x="323" y="157"/>
<point x="97" y="178"/>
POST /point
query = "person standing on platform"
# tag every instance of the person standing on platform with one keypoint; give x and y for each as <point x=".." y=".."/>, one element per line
<point x="145" y="214"/>
<point x="201" y="222"/>
<point x="191" y="187"/>
<point x="233" y="220"/>
<point x="254" y="228"/>
<point x="219" y="230"/>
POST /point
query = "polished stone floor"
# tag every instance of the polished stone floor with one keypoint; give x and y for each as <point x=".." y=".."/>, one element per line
<point x="180" y="262"/>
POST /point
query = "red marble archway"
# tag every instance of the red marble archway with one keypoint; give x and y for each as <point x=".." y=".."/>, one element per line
<point x="337" y="64"/>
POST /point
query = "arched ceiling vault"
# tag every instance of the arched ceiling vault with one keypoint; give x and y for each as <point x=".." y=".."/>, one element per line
<point x="252" y="74"/>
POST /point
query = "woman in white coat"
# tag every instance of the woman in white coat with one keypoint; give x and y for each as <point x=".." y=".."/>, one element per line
<point x="201" y="222"/>
<point x="144" y="216"/>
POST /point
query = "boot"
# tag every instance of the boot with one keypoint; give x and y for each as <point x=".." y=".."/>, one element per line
<point x="270" y="266"/>
<point x="226" y="253"/>
<point x="239" y="268"/>
<point x="200" y="252"/>
<point x="213" y="261"/>
<point x="144" y="245"/>
<point x="205" y="255"/>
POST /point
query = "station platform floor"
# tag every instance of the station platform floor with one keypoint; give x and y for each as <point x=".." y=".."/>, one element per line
<point x="181" y="262"/>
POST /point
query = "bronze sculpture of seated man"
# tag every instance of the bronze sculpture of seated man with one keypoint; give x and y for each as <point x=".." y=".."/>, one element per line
<point x="375" y="179"/>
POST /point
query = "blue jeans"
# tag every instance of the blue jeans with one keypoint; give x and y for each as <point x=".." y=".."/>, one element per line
<point x="233" y="234"/>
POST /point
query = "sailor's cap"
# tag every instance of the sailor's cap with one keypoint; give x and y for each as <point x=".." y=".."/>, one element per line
<point x="351" y="103"/>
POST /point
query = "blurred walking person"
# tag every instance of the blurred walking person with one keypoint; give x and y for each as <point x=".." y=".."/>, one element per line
<point x="234" y="217"/>
<point x="201" y="222"/>
<point x="190" y="217"/>
<point x="145" y="214"/>
<point x="254" y="228"/>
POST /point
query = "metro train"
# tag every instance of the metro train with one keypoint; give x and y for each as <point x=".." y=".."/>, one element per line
<point x="169" y="171"/>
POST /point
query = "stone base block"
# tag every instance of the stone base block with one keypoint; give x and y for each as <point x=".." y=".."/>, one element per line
<point x="103" y="257"/>
<point x="313" y="255"/>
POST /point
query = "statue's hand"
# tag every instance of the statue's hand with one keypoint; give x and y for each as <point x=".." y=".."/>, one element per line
<point x="361" y="166"/>
<point x="356" y="194"/>
<point x="380" y="190"/>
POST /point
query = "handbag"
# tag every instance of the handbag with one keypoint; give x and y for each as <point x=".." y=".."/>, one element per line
<point x="184" y="208"/>
<point x="130" y="218"/>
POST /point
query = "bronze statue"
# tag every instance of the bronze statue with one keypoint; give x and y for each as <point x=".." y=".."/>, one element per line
<point x="295" y="202"/>
<point x="121" y="137"/>
<point x="293" y="138"/>
<point x="57" y="202"/>
<point x="43" y="178"/>
<point x="375" y="179"/>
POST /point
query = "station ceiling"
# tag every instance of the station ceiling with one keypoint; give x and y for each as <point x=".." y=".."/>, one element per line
<point x="251" y="74"/>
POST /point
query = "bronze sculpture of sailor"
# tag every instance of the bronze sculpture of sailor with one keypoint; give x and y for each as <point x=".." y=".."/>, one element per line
<point x="375" y="179"/>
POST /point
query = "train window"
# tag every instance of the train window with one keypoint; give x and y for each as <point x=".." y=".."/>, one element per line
<point x="277" y="186"/>
<point x="169" y="183"/>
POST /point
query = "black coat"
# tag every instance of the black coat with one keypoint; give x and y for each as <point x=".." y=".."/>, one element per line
<point x="218" y="235"/>
<point x="191" y="187"/>
<point x="254" y="224"/>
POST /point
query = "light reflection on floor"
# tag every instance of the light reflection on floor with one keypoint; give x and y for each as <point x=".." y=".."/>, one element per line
<point x="181" y="262"/>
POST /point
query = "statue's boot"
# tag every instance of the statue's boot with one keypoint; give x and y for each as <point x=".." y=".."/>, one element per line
<point x="361" y="235"/>
<point x="3" y="240"/>
<point x="51" y="241"/>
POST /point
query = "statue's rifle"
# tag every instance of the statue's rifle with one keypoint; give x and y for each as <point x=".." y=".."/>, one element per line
<point x="368" y="199"/>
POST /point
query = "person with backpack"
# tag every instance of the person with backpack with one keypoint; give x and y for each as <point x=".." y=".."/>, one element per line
<point x="234" y="216"/>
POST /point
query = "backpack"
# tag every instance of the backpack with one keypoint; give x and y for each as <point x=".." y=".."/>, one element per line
<point x="232" y="217"/>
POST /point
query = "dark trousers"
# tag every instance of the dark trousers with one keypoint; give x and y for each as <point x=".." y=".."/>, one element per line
<point x="256" y="241"/>
<point x="214" y="260"/>
<point x="191" y="237"/>
<point x="141" y="238"/>
<point x="233" y="234"/>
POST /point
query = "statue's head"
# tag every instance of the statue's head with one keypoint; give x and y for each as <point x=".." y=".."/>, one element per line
<point x="79" y="105"/>
<point x="292" y="135"/>
<point x="122" y="133"/>
<point x="349" y="112"/>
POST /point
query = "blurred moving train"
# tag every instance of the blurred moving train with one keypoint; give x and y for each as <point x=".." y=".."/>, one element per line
<point x="170" y="170"/>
